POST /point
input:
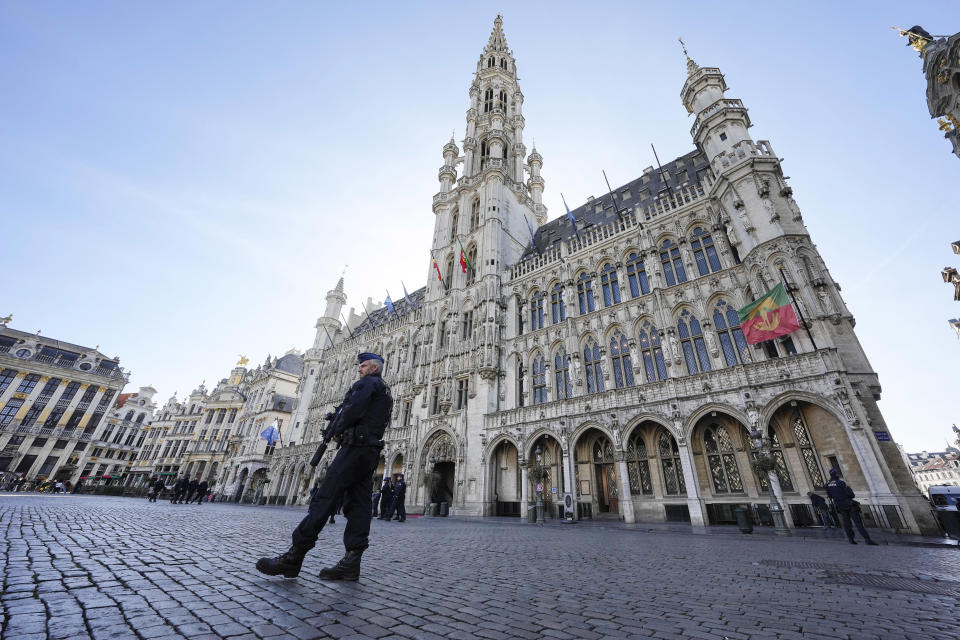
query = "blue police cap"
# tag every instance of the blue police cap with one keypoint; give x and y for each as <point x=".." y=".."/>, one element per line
<point x="363" y="357"/>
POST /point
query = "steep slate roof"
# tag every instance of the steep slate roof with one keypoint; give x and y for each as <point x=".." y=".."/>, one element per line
<point x="58" y="344"/>
<point x="681" y="172"/>
<point x="381" y="315"/>
<point x="291" y="363"/>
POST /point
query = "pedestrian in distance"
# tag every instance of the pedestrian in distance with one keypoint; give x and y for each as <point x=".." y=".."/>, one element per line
<point x="847" y="507"/>
<point x="386" y="496"/>
<point x="396" y="503"/>
<point x="77" y="487"/>
<point x="192" y="487"/>
<point x="358" y="428"/>
<point x="822" y="511"/>
<point x="179" y="488"/>
<point x="202" y="490"/>
<point x="376" y="502"/>
<point x="158" y="487"/>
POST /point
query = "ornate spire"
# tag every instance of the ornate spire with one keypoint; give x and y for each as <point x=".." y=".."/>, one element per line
<point x="691" y="65"/>
<point x="498" y="41"/>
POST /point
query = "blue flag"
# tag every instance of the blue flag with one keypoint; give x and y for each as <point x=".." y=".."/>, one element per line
<point x="389" y="304"/>
<point x="573" y="221"/>
<point x="406" y="296"/>
<point x="270" y="434"/>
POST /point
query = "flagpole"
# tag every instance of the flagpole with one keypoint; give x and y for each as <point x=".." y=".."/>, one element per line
<point x="612" y="199"/>
<point x="662" y="175"/>
<point x="786" y="285"/>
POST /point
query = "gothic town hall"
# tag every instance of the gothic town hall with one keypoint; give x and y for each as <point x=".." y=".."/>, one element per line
<point x="604" y="354"/>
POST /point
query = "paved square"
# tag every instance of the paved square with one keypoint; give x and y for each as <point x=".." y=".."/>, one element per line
<point x="85" y="567"/>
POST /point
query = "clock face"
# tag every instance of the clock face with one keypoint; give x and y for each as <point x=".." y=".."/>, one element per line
<point x="86" y="366"/>
<point x="23" y="353"/>
<point x="143" y="402"/>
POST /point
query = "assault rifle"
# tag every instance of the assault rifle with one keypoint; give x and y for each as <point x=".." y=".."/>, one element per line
<point x="327" y="436"/>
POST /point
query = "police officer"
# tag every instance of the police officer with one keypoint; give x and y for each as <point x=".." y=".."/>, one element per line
<point x="399" y="496"/>
<point x="191" y="490"/>
<point x="847" y="507"/>
<point x="359" y="427"/>
<point x="202" y="491"/>
<point x="178" y="490"/>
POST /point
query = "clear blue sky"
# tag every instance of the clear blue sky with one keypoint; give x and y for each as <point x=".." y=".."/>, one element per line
<point x="182" y="182"/>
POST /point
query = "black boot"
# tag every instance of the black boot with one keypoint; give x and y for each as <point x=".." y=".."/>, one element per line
<point x="287" y="564"/>
<point x="348" y="568"/>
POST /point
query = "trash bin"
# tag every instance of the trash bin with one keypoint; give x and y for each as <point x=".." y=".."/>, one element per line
<point x="433" y="509"/>
<point x="444" y="509"/>
<point x="950" y="521"/>
<point x="744" y="519"/>
<point x="531" y="513"/>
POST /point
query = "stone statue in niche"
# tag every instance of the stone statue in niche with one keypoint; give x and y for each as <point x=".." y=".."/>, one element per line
<point x="771" y="209"/>
<point x="711" y="342"/>
<point x="826" y="303"/>
<point x="674" y="347"/>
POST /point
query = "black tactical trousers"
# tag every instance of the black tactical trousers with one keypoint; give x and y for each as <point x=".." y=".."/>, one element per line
<point x="845" y="517"/>
<point x="348" y="477"/>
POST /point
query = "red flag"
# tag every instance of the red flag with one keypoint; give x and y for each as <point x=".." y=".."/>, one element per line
<point x="769" y="317"/>
<point x="437" y="267"/>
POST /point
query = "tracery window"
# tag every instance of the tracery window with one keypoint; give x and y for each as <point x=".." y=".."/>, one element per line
<point x="637" y="276"/>
<point x="704" y="252"/>
<point x="620" y="359"/>
<point x="808" y="454"/>
<point x="652" y="352"/>
<point x="691" y="340"/>
<point x="502" y="100"/>
<point x="539" y="380"/>
<point x="536" y="311"/>
<point x="557" y="306"/>
<point x="448" y="273"/>
<point x="585" y="294"/>
<point x="475" y="214"/>
<point x="727" y="323"/>
<point x="638" y="466"/>
<point x="721" y="460"/>
<point x="609" y="285"/>
<point x="454" y="223"/>
<point x="561" y="368"/>
<point x="673" y="484"/>
<point x="488" y="100"/>
<point x="591" y="360"/>
<point x="672" y="264"/>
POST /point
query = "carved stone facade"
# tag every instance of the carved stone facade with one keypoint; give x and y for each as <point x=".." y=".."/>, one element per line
<point x="609" y="352"/>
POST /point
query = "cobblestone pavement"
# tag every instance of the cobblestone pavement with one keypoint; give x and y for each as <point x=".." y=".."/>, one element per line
<point x="79" y="567"/>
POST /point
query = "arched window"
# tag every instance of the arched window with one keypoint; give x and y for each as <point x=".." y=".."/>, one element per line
<point x="585" y="294"/>
<point x="472" y="268"/>
<point x="673" y="484"/>
<point x="536" y="311"/>
<point x="620" y="358"/>
<point x="608" y="282"/>
<point x="653" y="362"/>
<point x="557" y="307"/>
<point x="691" y="339"/>
<point x="502" y="100"/>
<point x="637" y="276"/>
<point x="140" y="418"/>
<point x="448" y="273"/>
<point x="539" y="380"/>
<point x="475" y="213"/>
<point x="561" y="367"/>
<point x="727" y="323"/>
<point x="780" y="465"/>
<point x="454" y="223"/>
<point x="807" y="453"/>
<point x="503" y="63"/>
<point x="521" y="373"/>
<point x="672" y="264"/>
<point x="128" y="417"/>
<point x="721" y="460"/>
<point x="704" y="253"/>
<point x="591" y="361"/>
<point x="487" y="100"/>
<point x="490" y="63"/>
<point x="638" y="466"/>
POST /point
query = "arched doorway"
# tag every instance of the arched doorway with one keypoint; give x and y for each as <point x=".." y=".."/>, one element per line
<point x="441" y="469"/>
<point x="597" y="480"/>
<point x="505" y="479"/>
<point x="551" y="459"/>
<point x="256" y="486"/>
<point x="722" y="459"/>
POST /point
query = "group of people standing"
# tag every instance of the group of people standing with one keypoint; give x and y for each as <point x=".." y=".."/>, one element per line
<point x="847" y="508"/>
<point x="390" y="498"/>
<point x="184" y="489"/>
<point x="19" y="482"/>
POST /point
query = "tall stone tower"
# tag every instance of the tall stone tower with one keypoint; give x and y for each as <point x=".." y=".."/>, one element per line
<point x="328" y="325"/>
<point x="491" y="211"/>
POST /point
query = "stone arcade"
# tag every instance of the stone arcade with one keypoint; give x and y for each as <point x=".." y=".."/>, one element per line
<point x="610" y="354"/>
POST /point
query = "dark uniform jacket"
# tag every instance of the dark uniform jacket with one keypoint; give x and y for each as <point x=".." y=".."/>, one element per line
<point x="202" y="488"/>
<point x="841" y="494"/>
<point x="192" y="486"/>
<point x="399" y="490"/>
<point x="365" y="412"/>
<point x="817" y="501"/>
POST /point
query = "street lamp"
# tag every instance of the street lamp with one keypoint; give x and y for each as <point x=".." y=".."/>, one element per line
<point x="767" y="464"/>
<point x="539" y="480"/>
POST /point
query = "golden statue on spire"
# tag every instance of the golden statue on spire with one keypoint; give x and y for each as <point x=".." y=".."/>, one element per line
<point x="243" y="361"/>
